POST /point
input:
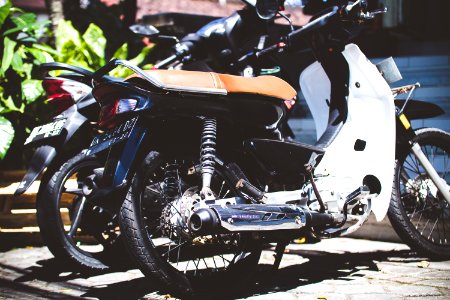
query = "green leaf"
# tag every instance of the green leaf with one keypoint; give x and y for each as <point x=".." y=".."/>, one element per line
<point x="9" y="105"/>
<point x="8" y="53"/>
<point x="66" y="33"/>
<point x="4" y="12"/>
<point x="24" y="20"/>
<point x="46" y="48"/>
<point x="141" y="56"/>
<point x="31" y="90"/>
<point x="122" y="52"/>
<point x="27" y="68"/>
<point x="29" y="29"/>
<point x="17" y="63"/>
<point x="95" y="40"/>
<point x="6" y="136"/>
<point x="41" y="56"/>
<point x="124" y="72"/>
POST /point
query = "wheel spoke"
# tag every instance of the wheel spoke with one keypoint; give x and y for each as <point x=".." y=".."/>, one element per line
<point x="74" y="191"/>
<point x="77" y="218"/>
<point x="176" y="246"/>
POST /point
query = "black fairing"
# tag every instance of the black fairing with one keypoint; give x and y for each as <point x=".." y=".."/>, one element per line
<point x="281" y="157"/>
<point x="416" y="109"/>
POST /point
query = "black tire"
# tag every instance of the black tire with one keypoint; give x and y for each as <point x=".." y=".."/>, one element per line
<point x="143" y="224"/>
<point x="85" y="248"/>
<point x="419" y="215"/>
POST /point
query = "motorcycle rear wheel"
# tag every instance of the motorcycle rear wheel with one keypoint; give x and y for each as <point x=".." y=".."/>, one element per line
<point x="88" y="244"/>
<point x="417" y="211"/>
<point x="153" y="227"/>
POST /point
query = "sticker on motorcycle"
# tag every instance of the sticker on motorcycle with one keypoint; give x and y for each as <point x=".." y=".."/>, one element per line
<point x="111" y="137"/>
<point x="46" y="131"/>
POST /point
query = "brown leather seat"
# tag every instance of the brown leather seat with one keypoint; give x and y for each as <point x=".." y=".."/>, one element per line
<point x="209" y="82"/>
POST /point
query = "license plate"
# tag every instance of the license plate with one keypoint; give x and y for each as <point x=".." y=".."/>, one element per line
<point x="111" y="137"/>
<point x="46" y="131"/>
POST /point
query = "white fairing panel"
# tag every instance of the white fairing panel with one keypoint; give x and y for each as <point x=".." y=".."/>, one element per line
<point x="371" y="119"/>
<point x="316" y="88"/>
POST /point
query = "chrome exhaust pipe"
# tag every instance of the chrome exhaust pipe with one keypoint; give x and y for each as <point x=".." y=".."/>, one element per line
<point x="257" y="217"/>
<point x="204" y="221"/>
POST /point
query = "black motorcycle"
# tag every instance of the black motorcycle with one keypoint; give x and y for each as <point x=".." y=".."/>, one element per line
<point x="210" y="178"/>
<point x="82" y="232"/>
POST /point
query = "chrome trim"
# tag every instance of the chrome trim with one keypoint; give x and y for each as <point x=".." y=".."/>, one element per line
<point x="287" y="225"/>
<point x="167" y="87"/>
<point x="255" y="217"/>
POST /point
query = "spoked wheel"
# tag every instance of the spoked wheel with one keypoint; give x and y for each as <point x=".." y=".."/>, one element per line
<point x="418" y="211"/>
<point x="75" y="230"/>
<point x="154" y="218"/>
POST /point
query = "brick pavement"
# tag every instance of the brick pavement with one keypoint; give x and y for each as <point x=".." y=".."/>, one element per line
<point x="341" y="268"/>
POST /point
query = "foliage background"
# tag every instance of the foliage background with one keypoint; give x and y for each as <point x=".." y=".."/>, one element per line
<point x="24" y="41"/>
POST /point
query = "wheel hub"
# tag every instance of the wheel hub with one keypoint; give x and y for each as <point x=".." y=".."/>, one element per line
<point x="176" y="214"/>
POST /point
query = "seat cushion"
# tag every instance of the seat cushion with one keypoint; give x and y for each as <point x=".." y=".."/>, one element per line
<point x="210" y="82"/>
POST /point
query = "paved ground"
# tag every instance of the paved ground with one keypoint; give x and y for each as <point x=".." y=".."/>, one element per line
<point x="333" y="269"/>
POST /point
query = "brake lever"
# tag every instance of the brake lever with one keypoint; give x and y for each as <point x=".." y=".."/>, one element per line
<point x="372" y="14"/>
<point x="349" y="7"/>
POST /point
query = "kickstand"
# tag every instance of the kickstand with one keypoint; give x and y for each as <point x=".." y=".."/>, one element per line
<point x="279" y="251"/>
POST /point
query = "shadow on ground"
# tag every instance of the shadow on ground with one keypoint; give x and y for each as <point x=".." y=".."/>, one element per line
<point x="319" y="267"/>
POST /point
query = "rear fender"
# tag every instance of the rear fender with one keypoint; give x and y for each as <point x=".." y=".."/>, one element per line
<point x="41" y="159"/>
<point x="74" y="121"/>
<point x="48" y="148"/>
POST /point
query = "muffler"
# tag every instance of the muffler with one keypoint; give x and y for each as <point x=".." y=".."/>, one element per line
<point x="257" y="217"/>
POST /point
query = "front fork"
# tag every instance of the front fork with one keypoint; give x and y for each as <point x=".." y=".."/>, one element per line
<point x="428" y="167"/>
<point x="418" y="153"/>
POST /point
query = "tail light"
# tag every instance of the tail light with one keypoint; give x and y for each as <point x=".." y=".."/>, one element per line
<point x="109" y="112"/>
<point x="63" y="93"/>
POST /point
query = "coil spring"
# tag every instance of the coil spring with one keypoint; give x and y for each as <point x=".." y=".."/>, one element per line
<point x="171" y="180"/>
<point x="208" y="146"/>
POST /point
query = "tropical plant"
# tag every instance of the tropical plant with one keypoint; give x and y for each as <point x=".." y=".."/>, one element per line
<point x="21" y="96"/>
<point x="88" y="50"/>
<point x="22" y="52"/>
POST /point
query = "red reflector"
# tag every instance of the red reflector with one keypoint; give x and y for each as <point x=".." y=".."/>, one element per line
<point x="108" y="115"/>
<point x="57" y="96"/>
<point x="110" y="112"/>
<point x="281" y="45"/>
<point x="62" y="102"/>
<point x="53" y="86"/>
<point x="289" y="103"/>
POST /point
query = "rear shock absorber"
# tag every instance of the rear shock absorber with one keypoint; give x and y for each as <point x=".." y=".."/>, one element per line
<point x="171" y="189"/>
<point x="208" y="155"/>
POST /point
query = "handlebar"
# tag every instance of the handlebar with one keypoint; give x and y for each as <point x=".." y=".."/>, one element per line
<point x="326" y="17"/>
<point x="182" y="49"/>
<point x="319" y="22"/>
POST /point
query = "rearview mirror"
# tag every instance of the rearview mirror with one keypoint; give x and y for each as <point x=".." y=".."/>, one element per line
<point x="144" y="30"/>
<point x="267" y="9"/>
